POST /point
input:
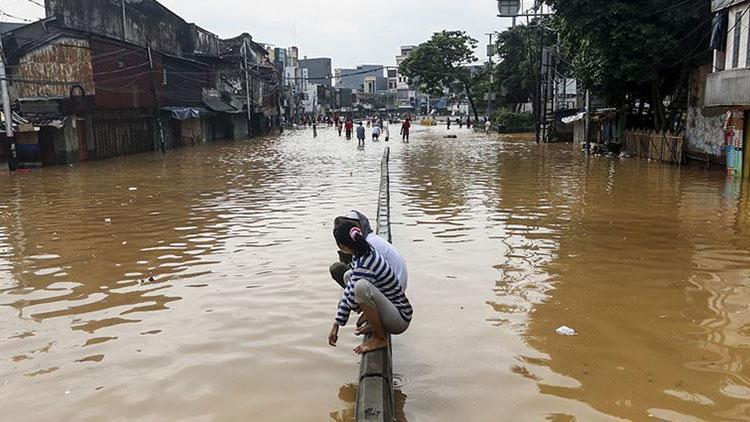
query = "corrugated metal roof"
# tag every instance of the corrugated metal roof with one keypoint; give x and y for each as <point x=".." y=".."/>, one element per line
<point x="9" y="26"/>
<point x="717" y="5"/>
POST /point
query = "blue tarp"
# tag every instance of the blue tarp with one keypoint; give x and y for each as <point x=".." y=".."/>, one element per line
<point x="185" y="113"/>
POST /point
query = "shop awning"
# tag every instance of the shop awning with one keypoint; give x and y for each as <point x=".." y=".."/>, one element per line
<point x="218" y="105"/>
<point x="574" y="118"/>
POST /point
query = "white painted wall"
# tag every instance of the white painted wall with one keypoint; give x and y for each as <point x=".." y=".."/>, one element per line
<point x="744" y="29"/>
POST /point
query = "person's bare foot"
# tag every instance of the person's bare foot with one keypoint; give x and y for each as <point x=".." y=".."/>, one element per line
<point x="362" y="330"/>
<point x="371" y="345"/>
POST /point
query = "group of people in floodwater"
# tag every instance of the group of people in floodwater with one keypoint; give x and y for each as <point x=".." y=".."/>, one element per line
<point x="373" y="276"/>
<point x="380" y="127"/>
<point x="460" y="123"/>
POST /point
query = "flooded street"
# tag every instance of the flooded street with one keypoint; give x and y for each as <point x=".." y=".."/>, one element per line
<point x="505" y="240"/>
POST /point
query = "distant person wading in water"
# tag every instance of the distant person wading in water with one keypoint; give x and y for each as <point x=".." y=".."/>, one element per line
<point x="361" y="135"/>
<point x="405" y="127"/>
<point x="349" y="128"/>
<point x="373" y="290"/>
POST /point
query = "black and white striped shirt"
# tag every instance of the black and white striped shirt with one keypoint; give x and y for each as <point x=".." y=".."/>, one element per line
<point x="375" y="269"/>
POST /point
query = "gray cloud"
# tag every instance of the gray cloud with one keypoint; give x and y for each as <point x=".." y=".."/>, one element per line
<point x="350" y="32"/>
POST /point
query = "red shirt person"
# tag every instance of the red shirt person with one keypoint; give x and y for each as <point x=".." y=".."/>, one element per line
<point x="405" y="127"/>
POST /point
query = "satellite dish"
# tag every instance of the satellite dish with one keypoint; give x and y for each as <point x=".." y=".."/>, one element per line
<point x="508" y="8"/>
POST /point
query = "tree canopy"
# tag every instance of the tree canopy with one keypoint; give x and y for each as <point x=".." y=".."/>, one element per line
<point x="634" y="49"/>
<point x="439" y="63"/>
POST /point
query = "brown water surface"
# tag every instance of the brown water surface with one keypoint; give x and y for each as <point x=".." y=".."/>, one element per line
<point x="505" y="240"/>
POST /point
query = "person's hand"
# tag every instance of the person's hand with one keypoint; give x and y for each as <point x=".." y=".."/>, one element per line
<point x="333" y="336"/>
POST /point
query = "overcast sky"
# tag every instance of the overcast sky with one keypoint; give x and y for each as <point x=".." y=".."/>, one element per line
<point x="350" y="32"/>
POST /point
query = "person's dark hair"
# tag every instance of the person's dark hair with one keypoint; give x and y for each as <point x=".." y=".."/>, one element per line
<point x="348" y="233"/>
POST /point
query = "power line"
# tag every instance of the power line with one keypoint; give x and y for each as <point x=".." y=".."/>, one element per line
<point x="36" y="3"/>
<point x="4" y="13"/>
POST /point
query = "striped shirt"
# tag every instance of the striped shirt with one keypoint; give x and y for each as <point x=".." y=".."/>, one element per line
<point x="375" y="269"/>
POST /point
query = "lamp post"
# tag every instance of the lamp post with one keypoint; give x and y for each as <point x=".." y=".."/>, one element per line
<point x="512" y="9"/>
<point x="509" y="9"/>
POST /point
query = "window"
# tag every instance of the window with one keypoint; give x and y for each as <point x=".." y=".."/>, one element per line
<point x="737" y="37"/>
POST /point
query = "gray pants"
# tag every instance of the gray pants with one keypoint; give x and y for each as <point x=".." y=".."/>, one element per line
<point x="367" y="294"/>
<point x="339" y="273"/>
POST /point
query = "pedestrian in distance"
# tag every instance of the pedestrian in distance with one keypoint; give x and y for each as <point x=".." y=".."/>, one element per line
<point x="468" y="123"/>
<point x="361" y="135"/>
<point x="387" y="132"/>
<point x="405" y="128"/>
<point x="373" y="289"/>
<point x="315" y="128"/>
<point x="376" y="133"/>
<point x="449" y="123"/>
<point x="460" y="123"/>
<point x="349" y="128"/>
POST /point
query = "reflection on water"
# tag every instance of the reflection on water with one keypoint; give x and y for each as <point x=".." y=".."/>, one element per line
<point x="194" y="286"/>
<point x="187" y="286"/>
<point x="649" y="263"/>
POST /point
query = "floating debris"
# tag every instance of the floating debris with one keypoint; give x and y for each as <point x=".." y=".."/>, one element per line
<point x="566" y="331"/>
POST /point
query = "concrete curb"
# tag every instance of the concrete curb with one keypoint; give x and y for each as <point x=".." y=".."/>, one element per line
<point x="375" y="401"/>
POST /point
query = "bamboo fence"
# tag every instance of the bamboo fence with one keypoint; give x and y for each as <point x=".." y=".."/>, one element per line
<point x="658" y="146"/>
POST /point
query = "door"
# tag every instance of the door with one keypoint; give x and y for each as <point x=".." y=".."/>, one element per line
<point x="82" y="141"/>
<point x="47" y="145"/>
<point x="746" y="147"/>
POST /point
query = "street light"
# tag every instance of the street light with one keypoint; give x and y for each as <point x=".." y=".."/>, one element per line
<point x="508" y="8"/>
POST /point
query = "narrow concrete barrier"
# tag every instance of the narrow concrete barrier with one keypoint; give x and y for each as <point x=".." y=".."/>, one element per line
<point x="375" y="392"/>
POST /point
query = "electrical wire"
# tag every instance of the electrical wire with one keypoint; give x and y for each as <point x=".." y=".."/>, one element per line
<point x="4" y="13"/>
<point x="36" y="3"/>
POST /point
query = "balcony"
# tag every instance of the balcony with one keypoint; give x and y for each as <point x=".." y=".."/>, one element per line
<point x="728" y="88"/>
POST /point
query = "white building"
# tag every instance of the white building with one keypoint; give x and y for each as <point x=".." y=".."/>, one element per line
<point x="719" y="99"/>
<point x="406" y="95"/>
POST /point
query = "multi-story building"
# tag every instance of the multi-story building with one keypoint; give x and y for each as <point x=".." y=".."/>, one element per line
<point x="319" y="70"/>
<point x="97" y="79"/>
<point x="392" y="80"/>
<point x="406" y="97"/>
<point x="719" y="102"/>
<point x="354" y="79"/>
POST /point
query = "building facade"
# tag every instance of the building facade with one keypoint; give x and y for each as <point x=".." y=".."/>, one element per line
<point x="93" y="81"/>
<point x="407" y="98"/>
<point x="319" y="70"/>
<point x="719" y="100"/>
<point x="355" y="78"/>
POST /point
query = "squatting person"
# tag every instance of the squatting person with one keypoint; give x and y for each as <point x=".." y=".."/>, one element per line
<point x="341" y="270"/>
<point x="373" y="289"/>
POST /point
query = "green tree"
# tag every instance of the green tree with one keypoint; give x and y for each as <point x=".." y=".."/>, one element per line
<point x="625" y="50"/>
<point x="518" y="68"/>
<point x="441" y="62"/>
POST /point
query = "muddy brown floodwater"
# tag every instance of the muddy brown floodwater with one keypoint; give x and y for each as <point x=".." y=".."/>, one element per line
<point x="506" y="241"/>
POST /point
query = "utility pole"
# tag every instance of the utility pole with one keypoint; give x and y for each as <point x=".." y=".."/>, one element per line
<point x="13" y="161"/>
<point x="162" y="142"/>
<point x="490" y="53"/>
<point x="247" y="91"/>
<point x="539" y="92"/>
<point x="588" y="120"/>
